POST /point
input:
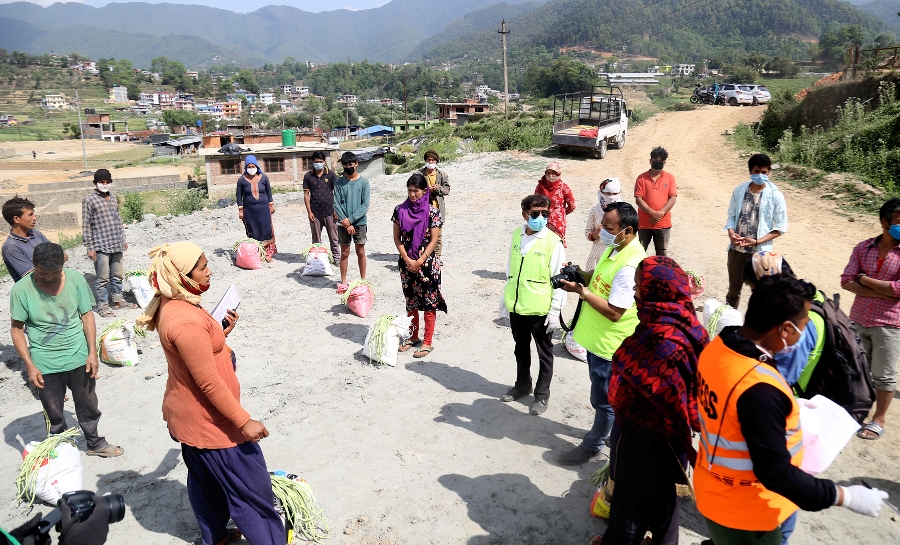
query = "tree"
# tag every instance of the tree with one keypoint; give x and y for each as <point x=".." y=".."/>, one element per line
<point x="134" y="92"/>
<point x="742" y="74"/>
<point x="784" y="67"/>
<point x="247" y="81"/>
<point x="755" y="61"/>
<point x="177" y="118"/>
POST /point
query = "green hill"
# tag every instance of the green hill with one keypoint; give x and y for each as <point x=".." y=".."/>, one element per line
<point x="388" y="33"/>
<point x="692" y="30"/>
<point x="886" y="10"/>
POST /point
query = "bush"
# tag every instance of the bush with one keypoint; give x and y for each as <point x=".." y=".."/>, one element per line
<point x="185" y="201"/>
<point x="69" y="242"/>
<point x="638" y="116"/>
<point x="742" y="74"/>
<point x="681" y="107"/>
<point x="132" y="207"/>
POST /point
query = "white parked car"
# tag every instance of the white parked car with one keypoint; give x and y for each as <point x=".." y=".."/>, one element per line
<point x="761" y="95"/>
<point x="737" y="94"/>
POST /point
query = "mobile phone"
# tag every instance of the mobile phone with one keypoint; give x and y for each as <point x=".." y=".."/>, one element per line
<point x="225" y="320"/>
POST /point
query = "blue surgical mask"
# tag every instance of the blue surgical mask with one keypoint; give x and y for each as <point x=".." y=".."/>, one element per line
<point x="536" y="224"/>
<point x="788" y="349"/>
<point x="759" y="179"/>
<point x="608" y="238"/>
<point x="895" y="231"/>
<point x="318" y="166"/>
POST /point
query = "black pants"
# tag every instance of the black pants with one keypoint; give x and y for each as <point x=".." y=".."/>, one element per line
<point x="524" y="328"/>
<point x="646" y="471"/>
<point x="84" y="396"/>
<point x="660" y="238"/>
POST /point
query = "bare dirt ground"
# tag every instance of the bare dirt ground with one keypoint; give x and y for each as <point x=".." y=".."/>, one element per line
<point x="425" y="452"/>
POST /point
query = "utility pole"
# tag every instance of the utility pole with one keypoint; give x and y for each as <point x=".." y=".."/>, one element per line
<point x="81" y="130"/>
<point x="503" y="32"/>
<point x="405" y="109"/>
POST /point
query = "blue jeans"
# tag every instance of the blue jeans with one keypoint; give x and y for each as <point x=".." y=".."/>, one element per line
<point x="787" y="527"/>
<point x="108" y="284"/>
<point x="600" y="370"/>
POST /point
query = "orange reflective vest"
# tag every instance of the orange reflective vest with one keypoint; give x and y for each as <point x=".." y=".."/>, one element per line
<point x="726" y="488"/>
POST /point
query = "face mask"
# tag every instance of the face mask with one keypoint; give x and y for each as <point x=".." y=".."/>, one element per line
<point x="759" y="179"/>
<point x="609" y="239"/>
<point x="657" y="165"/>
<point x="103" y="188"/>
<point x="431" y="166"/>
<point x="318" y="166"/>
<point x="251" y="171"/>
<point x="606" y="200"/>
<point x="895" y="232"/>
<point x="788" y="349"/>
<point x="348" y="171"/>
<point x="536" y="224"/>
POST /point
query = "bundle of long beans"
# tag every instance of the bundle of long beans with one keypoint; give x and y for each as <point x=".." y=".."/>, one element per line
<point x="301" y="511"/>
<point x="305" y="252"/>
<point x="26" y="482"/>
<point x="139" y="331"/>
<point x="258" y="244"/>
<point x="378" y="338"/>
<point x="600" y="475"/>
<point x="355" y="284"/>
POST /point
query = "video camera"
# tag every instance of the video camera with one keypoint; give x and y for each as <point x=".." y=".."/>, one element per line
<point x="73" y="516"/>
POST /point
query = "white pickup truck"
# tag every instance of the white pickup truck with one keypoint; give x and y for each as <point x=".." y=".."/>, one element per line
<point x="591" y="121"/>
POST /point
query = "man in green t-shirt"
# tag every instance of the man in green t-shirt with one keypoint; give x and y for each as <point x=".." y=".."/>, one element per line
<point x="60" y="351"/>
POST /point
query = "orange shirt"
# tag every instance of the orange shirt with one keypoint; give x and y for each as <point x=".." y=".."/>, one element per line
<point x="655" y="194"/>
<point x="202" y="403"/>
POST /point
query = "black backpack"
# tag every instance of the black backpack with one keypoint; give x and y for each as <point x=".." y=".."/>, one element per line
<point x="842" y="374"/>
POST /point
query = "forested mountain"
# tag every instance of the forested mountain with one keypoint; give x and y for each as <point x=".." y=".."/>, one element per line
<point x="689" y="29"/>
<point x="886" y="10"/>
<point x="388" y="33"/>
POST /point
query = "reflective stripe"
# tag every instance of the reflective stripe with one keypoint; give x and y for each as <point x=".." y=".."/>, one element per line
<point x="793" y="431"/>
<point x="737" y="464"/>
<point x="774" y="374"/>
<point x="796" y="448"/>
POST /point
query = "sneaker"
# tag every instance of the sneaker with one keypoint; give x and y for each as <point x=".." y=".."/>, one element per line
<point x="539" y="406"/>
<point x="576" y="457"/>
<point x="341" y="288"/>
<point x="513" y="394"/>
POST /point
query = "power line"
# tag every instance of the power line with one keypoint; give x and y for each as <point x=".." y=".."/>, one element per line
<point x="647" y="23"/>
<point x="673" y="27"/>
<point x="643" y="8"/>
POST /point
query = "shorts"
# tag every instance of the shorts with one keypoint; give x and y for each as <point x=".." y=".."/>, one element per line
<point x="358" y="238"/>
<point x="882" y="346"/>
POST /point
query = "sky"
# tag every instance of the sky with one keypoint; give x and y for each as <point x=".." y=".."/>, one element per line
<point x="246" y="6"/>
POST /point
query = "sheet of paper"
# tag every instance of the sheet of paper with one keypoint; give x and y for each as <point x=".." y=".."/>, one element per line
<point x="827" y="428"/>
<point x="229" y="301"/>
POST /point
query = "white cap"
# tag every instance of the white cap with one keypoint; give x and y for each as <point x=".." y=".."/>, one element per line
<point x="611" y="185"/>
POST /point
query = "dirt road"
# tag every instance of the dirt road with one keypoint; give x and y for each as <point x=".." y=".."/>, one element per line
<point x="425" y="452"/>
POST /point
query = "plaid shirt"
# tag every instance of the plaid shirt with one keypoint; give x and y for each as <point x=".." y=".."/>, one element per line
<point x="101" y="225"/>
<point x="874" y="311"/>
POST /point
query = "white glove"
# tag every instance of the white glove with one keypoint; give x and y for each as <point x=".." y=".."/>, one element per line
<point x="862" y="500"/>
<point x="552" y="321"/>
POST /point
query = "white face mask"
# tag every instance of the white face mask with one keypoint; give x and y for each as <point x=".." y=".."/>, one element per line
<point x="431" y="166"/>
<point x="103" y="188"/>
<point x="606" y="200"/>
<point x="251" y="171"/>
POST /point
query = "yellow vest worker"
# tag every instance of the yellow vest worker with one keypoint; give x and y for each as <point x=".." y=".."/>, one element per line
<point x="536" y="253"/>
<point x="747" y="478"/>
<point x="608" y="317"/>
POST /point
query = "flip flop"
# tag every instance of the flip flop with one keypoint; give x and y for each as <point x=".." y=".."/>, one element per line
<point x="407" y="344"/>
<point x="108" y="451"/>
<point x="423" y="352"/>
<point x="124" y="304"/>
<point x="233" y="535"/>
<point x="106" y="312"/>
<point x="873" y="428"/>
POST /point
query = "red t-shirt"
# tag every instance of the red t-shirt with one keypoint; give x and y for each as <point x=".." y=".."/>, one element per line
<point x="655" y="194"/>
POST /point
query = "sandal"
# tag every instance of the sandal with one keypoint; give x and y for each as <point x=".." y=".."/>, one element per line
<point x="123" y="305"/>
<point x="108" y="451"/>
<point x="423" y="351"/>
<point x="407" y="344"/>
<point x="106" y="312"/>
<point x="341" y="288"/>
<point x="871" y="427"/>
<point x="233" y="535"/>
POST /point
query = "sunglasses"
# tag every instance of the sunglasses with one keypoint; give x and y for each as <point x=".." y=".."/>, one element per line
<point x="534" y="215"/>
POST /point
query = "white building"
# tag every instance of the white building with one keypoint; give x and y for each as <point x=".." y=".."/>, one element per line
<point x="287" y="89"/>
<point x="349" y="99"/>
<point x="118" y="94"/>
<point x="301" y="90"/>
<point x="267" y="98"/>
<point x="55" y="102"/>
<point x="684" y="69"/>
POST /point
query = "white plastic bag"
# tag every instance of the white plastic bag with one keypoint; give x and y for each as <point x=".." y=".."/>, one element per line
<point x="827" y="428"/>
<point x="58" y="475"/>
<point x="715" y="319"/>
<point x="397" y="330"/>
<point x="116" y="344"/>
<point x="318" y="262"/>
<point x="140" y="287"/>
<point x="574" y="348"/>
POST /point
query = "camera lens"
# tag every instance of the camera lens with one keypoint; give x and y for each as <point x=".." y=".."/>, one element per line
<point x="116" y="505"/>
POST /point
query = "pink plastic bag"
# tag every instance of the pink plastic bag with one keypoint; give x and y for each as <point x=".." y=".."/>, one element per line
<point x="247" y="256"/>
<point x="360" y="300"/>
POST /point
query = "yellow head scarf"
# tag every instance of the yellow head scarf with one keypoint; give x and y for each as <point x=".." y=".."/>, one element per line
<point x="168" y="273"/>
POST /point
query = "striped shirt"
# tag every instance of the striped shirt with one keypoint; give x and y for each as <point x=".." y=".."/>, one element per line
<point x="101" y="225"/>
<point x="874" y="311"/>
